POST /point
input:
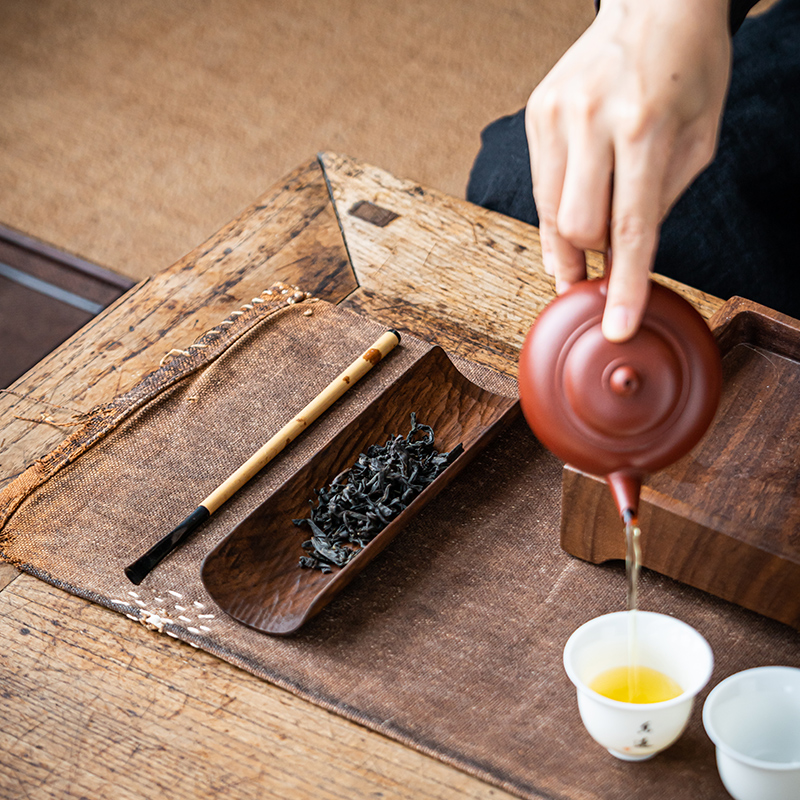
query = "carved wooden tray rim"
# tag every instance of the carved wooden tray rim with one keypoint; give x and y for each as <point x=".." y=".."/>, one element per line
<point x="215" y="575"/>
<point x="744" y="322"/>
<point x="738" y="322"/>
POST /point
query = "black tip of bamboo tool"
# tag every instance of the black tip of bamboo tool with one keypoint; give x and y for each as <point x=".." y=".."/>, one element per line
<point x="144" y="565"/>
<point x="397" y="334"/>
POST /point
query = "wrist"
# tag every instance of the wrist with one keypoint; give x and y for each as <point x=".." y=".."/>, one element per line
<point x="674" y="24"/>
<point x="731" y="11"/>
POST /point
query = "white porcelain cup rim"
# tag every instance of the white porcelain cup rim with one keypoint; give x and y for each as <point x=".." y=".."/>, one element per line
<point x="689" y="692"/>
<point x="732" y="752"/>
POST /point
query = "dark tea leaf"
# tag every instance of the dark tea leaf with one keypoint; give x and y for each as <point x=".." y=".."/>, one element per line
<point x="361" y="501"/>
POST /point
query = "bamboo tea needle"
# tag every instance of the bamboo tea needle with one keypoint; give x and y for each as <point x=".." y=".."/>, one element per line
<point x="142" y="567"/>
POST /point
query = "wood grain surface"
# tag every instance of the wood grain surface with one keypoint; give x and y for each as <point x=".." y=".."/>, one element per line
<point x="94" y="706"/>
<point x="289" y="234"/>
<point x="467" y="278"/>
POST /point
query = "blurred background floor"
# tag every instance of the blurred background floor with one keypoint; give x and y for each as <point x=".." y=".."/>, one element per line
<point x="130" y="132"/>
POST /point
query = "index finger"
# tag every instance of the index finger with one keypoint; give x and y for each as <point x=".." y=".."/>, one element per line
<point x="635" y="224"/>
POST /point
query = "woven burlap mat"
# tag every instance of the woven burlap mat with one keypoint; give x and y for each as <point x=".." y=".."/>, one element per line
<point x="450" y="641"/>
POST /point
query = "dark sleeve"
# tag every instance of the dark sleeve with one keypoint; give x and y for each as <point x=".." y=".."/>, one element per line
<point x="739" y="10"/>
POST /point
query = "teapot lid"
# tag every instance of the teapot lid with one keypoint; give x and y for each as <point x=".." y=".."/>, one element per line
<point x="619" y="407"/>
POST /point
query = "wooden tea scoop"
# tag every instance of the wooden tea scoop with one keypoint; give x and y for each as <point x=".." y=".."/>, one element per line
<point x="140" y="568"/>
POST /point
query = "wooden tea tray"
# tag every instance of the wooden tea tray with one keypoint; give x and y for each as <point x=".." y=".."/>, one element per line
<point x="725" y="518"/>
<point x="253" y="574"/>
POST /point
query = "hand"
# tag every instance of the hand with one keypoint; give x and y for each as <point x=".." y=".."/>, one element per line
<point x="617" y="131"/>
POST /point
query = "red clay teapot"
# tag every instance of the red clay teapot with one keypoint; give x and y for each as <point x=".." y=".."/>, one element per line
<point x="619" y="410"/>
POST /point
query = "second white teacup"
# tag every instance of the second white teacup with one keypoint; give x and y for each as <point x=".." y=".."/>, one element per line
<point x="753" y="718"/>
<point x="637" y="731"/>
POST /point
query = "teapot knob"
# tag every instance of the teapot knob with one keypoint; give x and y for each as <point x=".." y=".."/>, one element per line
<point x="624" y="381"/>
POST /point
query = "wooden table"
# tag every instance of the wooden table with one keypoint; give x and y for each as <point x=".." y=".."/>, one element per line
<point x="95" y="706"/>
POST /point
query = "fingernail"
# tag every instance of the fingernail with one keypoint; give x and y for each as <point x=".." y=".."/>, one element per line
<point x="562" y="285"/>
<point x="616" y="323"/>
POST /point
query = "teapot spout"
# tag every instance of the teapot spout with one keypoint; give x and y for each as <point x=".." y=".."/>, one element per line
<point x="625" y="486"/>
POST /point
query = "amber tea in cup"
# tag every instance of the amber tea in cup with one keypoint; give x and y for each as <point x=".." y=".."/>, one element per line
<point x="635" y="684"/>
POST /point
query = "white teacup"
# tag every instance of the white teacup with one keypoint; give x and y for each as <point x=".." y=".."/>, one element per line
<point x="637" y="731"/>
<point x="753" y="718"/>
